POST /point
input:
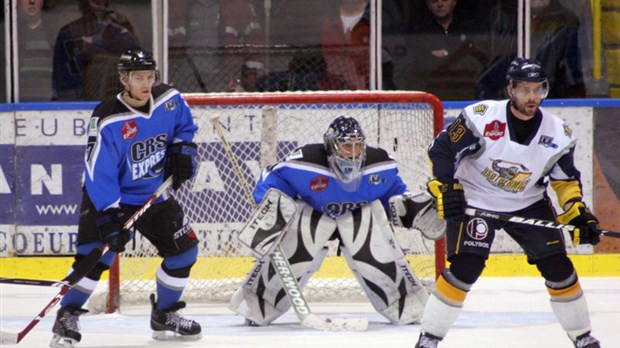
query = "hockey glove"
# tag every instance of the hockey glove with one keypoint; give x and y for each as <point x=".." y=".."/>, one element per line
<point x="181" y="162"/>
<point x="417" y="211"/>
<point x="450" y="199"/>
<point x="587" y="229"/>
<point x="110" y="225"/>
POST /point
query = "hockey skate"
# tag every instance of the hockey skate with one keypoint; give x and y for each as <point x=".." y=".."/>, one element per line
<point x="170" y="325"/>
<point x="586" y="341"/>
<point x="427" y="341"/>
<point x="66" y="328"/>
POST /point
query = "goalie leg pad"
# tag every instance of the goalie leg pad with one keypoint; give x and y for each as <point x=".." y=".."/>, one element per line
<point x="379" y="265"/>
<point x="265" y="229"/>
<point x="262" y="299"/>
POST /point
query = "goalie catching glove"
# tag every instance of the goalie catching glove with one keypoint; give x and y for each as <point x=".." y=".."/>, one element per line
<point x="416" y="211"/>
<point x="110" y="226"/>
<point x="181" y="162"/>
<point x="587" y="228"/>
<point x="450" y="199"/>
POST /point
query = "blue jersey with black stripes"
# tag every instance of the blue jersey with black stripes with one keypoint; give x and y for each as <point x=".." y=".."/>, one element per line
<point x="305" y="175"/>
<point x="126" y="151"/>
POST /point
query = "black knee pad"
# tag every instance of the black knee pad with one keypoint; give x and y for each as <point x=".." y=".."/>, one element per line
<point x="555" y="268"/>
<point x="95" y="273"/>
<point x="467" y="267"/>
<point x="177" y="272"/>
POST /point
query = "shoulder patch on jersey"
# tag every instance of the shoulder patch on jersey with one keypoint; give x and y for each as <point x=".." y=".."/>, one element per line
<point x="480" y="109"/>
<point x="456" y="130"/>
<point x="547" y="141"/>
<point x="567" y="130"/>
<point x="92" y="127"/>
<point x="170" y="105"/>
<point x="297" y="154"/>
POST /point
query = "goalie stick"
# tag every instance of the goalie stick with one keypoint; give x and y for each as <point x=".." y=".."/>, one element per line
<point x="80" y="270"/>
<point x="280" y="263"/>
<point x="530" y="221"/>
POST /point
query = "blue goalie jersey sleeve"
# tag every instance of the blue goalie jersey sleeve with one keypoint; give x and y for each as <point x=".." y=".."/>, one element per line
<point x="305" y="175"/>
<point x="126" y="150"/>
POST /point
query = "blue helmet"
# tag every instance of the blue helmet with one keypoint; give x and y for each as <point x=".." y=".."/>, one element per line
<point x="345" y="144"/>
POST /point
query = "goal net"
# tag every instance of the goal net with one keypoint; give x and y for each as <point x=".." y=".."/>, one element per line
<point x="261" y="129"/>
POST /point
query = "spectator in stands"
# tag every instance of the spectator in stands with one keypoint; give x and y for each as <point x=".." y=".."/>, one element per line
<point x="345" y="40"/>
<point x="554" y="43"/>
<point x="34" y="52"/>
<point x="307" y="71"/>
<point x="221" y="38"/>
<point x="447" y="57"/>
<point x="86" y="52"/>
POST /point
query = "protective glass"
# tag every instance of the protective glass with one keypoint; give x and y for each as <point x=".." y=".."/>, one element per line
<point x="524" y="90"/>
<point x="142" y="79"/>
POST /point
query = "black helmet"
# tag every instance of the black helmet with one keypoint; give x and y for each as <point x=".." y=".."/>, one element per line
<point x="525" y="69"/>
<point x="134" y="60"/>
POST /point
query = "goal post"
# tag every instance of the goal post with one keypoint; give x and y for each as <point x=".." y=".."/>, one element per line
<point x="262" y="129"/>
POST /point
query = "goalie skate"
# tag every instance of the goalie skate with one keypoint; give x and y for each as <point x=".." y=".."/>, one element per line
<point x="170" y="325"/>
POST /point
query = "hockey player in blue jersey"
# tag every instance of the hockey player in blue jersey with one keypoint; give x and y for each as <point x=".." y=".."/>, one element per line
<point x="136" y="139"/>
<point x="498" y="156"/>
<point x="336" y="183"/>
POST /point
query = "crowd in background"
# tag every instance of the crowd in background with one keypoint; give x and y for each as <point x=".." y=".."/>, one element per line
<point x="455" y="49"/>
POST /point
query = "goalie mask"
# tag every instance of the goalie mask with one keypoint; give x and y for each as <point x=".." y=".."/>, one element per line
<point x="345" y="144"/>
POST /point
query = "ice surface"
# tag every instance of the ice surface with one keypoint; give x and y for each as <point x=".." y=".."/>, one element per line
<point x="499" y="312"/>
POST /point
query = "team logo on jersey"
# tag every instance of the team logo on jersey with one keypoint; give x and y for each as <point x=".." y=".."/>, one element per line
<point x="318" y="184"/>
<point x="129" y="130"/>
<point x="146" y="158"/>
<point x="480" y="109"/>
<point x="547" y="141"/>
<point x="567" y="130"/>
<point x="456" y="130"/>
<point x="170" y="105"/>
<point x="494" y="130"/>
<point x="508" y="176"/>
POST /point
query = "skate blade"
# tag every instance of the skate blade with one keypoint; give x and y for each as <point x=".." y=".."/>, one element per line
<point x="62" y="342"/>
<point x="172" y="336"/>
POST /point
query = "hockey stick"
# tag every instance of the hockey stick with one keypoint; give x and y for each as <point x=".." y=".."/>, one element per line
<point x="35" y="282"/>
<point x="529" y="221"/>
<point x="283" y="268"/>
<point x="80" y="270"/>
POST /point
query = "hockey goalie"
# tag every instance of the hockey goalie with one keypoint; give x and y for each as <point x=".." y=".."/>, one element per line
<point x="341" y="190"/>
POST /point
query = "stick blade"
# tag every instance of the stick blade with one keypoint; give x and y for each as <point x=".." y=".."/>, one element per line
<point x="348" y="324"/>
<point x="8" y="338"/>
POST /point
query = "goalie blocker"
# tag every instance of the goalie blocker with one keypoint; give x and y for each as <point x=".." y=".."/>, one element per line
<point x="378" y="264"/>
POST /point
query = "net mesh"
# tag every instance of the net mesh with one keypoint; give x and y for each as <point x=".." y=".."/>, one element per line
<point x="261" y="131"/>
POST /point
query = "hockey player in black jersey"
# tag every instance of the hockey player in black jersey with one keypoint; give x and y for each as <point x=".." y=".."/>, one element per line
<point x="136" y="139"/>
<point x="343" y="190"/>
<point x="498" y="156"/>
